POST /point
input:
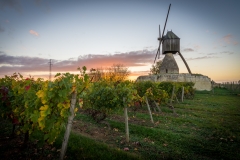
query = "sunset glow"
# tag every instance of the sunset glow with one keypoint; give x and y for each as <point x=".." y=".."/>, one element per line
<point x="98" y="34"/>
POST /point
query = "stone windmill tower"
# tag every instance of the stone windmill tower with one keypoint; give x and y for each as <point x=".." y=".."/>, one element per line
<point x="170" y="45"/>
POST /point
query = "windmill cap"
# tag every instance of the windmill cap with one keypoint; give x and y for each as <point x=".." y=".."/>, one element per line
<point x="170" y="35"/>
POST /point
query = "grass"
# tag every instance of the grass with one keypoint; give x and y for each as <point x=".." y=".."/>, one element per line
<point x="80" y="147"/>
<point x="206" y="127"/>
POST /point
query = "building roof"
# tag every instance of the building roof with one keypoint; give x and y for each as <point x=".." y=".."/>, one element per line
<point x="170" y="35"/>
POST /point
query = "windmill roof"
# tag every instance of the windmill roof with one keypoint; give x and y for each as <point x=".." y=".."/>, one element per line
<point x="170" y="35"/>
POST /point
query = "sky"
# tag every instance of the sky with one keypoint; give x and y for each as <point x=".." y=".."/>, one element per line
<point x="100" y="33"/>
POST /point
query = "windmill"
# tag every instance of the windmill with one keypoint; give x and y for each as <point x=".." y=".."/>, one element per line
<point x="170" y="45"/>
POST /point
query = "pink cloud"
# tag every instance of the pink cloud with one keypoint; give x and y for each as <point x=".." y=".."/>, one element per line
<point x="235" y="43"/>
<point x="33" y="33"/>
<point x="227" y="38"/>
<point x="10" y="64"/>
<point x="225" y="41"/>
<point x="197" y="47"/>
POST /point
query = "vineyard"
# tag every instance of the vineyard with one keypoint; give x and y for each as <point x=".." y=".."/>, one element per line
<point x="116" y="119"/>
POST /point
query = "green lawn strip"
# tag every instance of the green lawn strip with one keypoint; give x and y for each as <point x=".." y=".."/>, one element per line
<point x="81" y="147"/>
<point x="189" y="142"/>
<point x="207" y="124"/>
<point x="163" y="143"/>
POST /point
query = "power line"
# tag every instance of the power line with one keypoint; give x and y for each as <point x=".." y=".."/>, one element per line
<point x="50" y="69"/>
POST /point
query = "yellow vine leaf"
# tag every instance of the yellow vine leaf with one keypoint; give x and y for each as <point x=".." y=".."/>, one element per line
<point x="80" y="102"/>
<point x="44" y="111"/>
<point x="41" y="122"/>
<point x="40" y="94"/>
<point x="66" y="105"/>
<point x="15" y="110"/>
<point x="73" y="89"/>
<point x="63" y="113"/>
<point x="44" y="101"/>
<point x="75" y="110"/>
<point x="45" y="85"/>
<point x="59" y="105"/>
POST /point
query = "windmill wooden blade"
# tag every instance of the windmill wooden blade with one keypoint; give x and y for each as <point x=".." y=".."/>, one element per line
<point x="159" y="49"/>
<point x="161" y="37"/>
<point x="156" y="55"/>
<point x="159" y="43"/>
<point x="166" y="21"/>
<point x="159" y="31"/>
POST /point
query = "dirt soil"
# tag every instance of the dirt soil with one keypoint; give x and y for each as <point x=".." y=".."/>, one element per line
<point x="12" y="147"/>
<point x="112" y="136"/>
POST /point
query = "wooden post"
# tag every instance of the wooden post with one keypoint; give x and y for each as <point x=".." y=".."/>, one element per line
<point x="172" y="95"/>
<point x="182" y="92"/>
<point x="160" y="111"/>
<point x="154" y="109"/>
<point x="126" y="120"/>
<point x="149" y="110"/>
<point x="176" y="99"/>
<point x="69" y="126"/>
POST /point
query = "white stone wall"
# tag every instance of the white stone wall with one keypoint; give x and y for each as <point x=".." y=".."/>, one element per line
<point x="200" y="82"/>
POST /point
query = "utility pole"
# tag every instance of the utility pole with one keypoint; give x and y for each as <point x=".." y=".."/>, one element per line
<point x="50" y="69"/>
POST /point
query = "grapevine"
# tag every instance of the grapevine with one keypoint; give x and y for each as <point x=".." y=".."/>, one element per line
<point x="42" y="107"/>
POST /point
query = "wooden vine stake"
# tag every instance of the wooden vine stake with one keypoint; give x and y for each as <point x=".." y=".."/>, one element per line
<point x="182" y="93"/>
<point x="171" y="104"/>
<point x="69" y="126"/>
<point x="149" y="110"/>
<point x="172" y="95"/>
<point x="160" y="111"/>
<point x="126" y="120"/>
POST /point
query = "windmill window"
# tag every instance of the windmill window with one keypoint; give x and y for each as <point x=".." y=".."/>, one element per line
<point x="166" y="70"/>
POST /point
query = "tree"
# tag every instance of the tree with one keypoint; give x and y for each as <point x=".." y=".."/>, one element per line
<point x="117" y="72"/>
<point x="155" y="69"/>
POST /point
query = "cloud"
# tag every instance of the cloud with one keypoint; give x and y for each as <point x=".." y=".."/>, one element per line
<point x="199" y="58"/>
<point x="20" y="60"/>
<point x="188" y="50"/>
<point x="223" y="52"/>
<point x="33" y="33"/>
<point x="227" y="52"/>
<point x="235" y="43"/>
<point x="14" y="4"/>
<point x="10" y="64"/>
<point x="197" y="47"/>
<point x="227" y="38"/>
